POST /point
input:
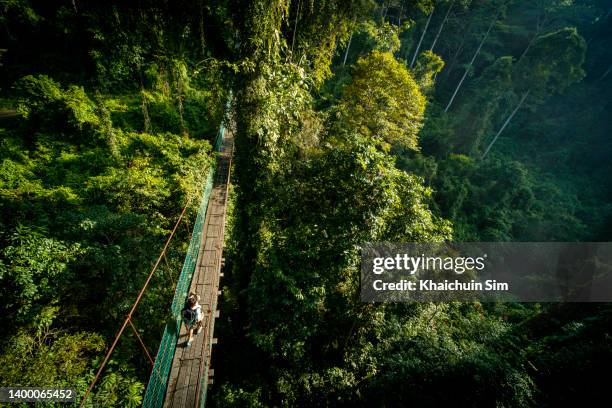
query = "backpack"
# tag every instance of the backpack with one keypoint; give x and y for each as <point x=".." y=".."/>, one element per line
<point x="188" y="314"/>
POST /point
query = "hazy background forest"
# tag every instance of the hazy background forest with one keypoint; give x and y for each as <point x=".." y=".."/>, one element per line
<point x="415" y="120"/>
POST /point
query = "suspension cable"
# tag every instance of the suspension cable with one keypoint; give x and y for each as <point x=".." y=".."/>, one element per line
<point x="144" y="347"/>
<point x="129" y="315"/>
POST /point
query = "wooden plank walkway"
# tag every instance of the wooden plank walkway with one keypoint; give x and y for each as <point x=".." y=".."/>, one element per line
<point x="191" y="373"/>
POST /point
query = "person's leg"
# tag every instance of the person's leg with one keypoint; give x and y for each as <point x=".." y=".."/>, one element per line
<point x="200" y="326"/>
<point x="190" y="339"/>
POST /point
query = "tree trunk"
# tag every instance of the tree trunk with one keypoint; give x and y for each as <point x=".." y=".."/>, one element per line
<point x="455" y="58"/>
<point x="499" y="132"/>
<point x="143" y="106"/>
<point x="399" y="16"/>
<point x="181" y="117"/>
<point x="538" y="30"/>
<point x="441" y="26"/>
<point x="348" y="45"/>
<point x="383" y="11"/>
<point x="202" y="41"/>
<point x="527" y="48"/>
<point x="605" y="74"/>
<point x="416" y="51"/>
<point x="297" y="14"/>
<point x="145" y="112"/>
<point x="467" y="69"/>
<point x="335" y="50"/>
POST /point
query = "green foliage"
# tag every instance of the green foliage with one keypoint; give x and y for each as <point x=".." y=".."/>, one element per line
<point x="116" y="390"/>
<point x="110" y="143"/>
<point x="41" y="353"/>
<point x="53" y="359"/>
<point x="238" y="398"/>
<point x="46" y="104"/>
<point x="428" y="65"/>
<point x="436" y="347"/>
<point x="499" y="200"/>
<point x="311" y="190"/>
<point x="314" y="185"/>
<point x="369" y="36"/>
<point x="554" y="62"/>
<point x="317" y="27"/>
<point x="348" y="195"/>
<point x="382" y="102"/>
<point x="383" y="38"/>
<point x="87" y="198"/>
<point x="33" y="271"/>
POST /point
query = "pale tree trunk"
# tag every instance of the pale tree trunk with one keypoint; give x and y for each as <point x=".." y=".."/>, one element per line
<point x="605" y="74"/>
<point x="297" y="14"/>
<point x="441" y="26"/>
<point x="347" y="50"/>
<point x="348" y="45"/>
<point x="178" y="85"/>
<point x="399" y="16"/>
<point x="202" y="40"/>
<point x="416" y="51"/>
<point x="527" y="48"/>
<point x="467" y="69"/>
<point x="455" y="58"/>
<point x="143" y="105"/>
<point x="145" y="112"/>
<point x="508" y="119"/>
<point x="539" y="24"/>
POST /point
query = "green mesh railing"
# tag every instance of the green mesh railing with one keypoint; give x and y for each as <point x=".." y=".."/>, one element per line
<point x="156" y="389"/>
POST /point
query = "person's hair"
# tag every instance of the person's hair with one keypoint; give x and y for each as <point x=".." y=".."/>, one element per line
<point x="192" y="299"/>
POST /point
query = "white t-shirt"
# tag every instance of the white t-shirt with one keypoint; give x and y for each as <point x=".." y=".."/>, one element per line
<point x="198" y="312"/>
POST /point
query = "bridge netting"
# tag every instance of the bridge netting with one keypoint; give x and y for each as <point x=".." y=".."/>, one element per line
<point x="156" y="388"/>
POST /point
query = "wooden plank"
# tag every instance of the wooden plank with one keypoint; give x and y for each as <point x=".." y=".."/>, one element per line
<point x="190" y="359"/>
<point x="216" y="219"/>
<point x="180" y="391"/>
<point x="197" y="345"/>
<point x="210" y="245"/>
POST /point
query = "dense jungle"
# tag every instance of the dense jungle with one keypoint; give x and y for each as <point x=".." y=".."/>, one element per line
<point x="355" y="121"/>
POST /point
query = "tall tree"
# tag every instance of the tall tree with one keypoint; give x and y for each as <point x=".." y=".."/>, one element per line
<point x="555" y="62"/>
<point x="418" y="47"/>
<point x="471" y="63"/>
<point x="435" y="40"/>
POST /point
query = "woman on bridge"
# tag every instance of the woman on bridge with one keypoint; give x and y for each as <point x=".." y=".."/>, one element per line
<point x="192" y="316"/>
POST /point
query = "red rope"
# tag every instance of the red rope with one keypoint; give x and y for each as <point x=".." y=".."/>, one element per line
<point x="129" y="316"/>
<point x="141" y="342"/>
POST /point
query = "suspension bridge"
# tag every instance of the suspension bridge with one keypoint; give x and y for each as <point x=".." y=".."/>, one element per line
<point x="190" y="373"/>
<point x="181" y="375"/>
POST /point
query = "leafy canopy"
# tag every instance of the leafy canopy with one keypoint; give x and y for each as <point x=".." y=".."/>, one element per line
<point x="382" y="102"/>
